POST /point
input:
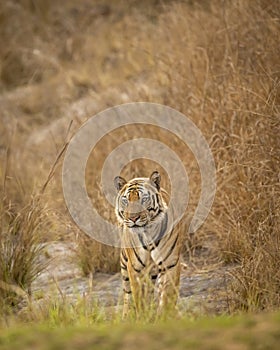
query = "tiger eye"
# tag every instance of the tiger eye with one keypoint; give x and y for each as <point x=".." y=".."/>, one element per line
<point x="124" y="201"/>
<point x="145" y="199"/>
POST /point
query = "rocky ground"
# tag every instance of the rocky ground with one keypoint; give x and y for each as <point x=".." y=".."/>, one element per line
<point x="202" y="291"/>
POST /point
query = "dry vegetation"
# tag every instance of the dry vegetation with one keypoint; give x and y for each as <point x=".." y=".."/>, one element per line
<point x="215" y="61"/>
<point x="21" y="247"/>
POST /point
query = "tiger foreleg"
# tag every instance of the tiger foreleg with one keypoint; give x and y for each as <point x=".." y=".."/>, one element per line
<point x="168" y="287"/>
<point x="141" y="291"/>
<point x="132" y="282"/>
<point x="126" y="305"/>
<point x="126" y="286"/>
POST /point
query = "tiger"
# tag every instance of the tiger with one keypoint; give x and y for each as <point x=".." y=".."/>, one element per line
<point x="150" y="247"/>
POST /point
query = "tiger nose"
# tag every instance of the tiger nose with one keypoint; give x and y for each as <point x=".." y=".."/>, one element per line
<point x="134" y="218"/>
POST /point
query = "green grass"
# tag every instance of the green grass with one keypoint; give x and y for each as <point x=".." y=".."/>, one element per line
<point x="239" y="332"/>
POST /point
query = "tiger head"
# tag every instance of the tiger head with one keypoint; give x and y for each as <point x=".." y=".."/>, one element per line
<point x="139" y="200"/>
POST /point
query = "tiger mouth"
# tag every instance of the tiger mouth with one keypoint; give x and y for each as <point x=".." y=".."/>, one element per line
<point x="136" y="220"/>
<point x="135" y="223"/>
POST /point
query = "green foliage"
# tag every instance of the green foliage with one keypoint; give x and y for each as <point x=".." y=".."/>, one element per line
<point x="254" y="332"/>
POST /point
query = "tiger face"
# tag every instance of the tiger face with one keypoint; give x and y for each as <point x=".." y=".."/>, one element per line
<point x="139" y="201"/>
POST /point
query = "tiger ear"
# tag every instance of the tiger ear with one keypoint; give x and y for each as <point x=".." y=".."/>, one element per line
<point x="119" y="182"/>
<point x="155" y="179"/>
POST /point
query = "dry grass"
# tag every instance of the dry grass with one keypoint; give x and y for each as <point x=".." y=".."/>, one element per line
<point x="22" y="231"/>
<point x="217" y="62"/>
<point x="93" y="256"/>
<point x="20" y="251"/>
<point x="223" y="72"/>
<point x="23" y="228"/>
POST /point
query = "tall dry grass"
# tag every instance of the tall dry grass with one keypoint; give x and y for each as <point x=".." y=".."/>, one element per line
<point x="221" y="68"/>
<point x="20" y="251"/>
<point x="24" y="230"/>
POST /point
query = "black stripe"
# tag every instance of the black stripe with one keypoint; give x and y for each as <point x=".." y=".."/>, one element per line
<point x="173" y="265"/>
<point x="124" y="256"/>
<point x="124" y="267"/>
<point x="170" y="237"/>
<point x="127" y="291"/>
<point x="138" y="257"/>
<point x="169" y="266"/>
<point x="126" y="279"/>
<point x="162" y="230"/>
<point x="142" y="242"/>
<point x="135" y="188"/>
<point x="154" y="203"/>
<point x="157" y="196"/>
<point x="135" y="269"/>
<point x="171" y="249"/>
<point x="154" y="277"/>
